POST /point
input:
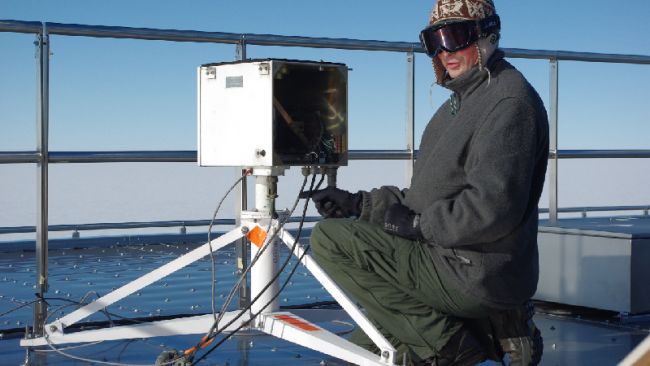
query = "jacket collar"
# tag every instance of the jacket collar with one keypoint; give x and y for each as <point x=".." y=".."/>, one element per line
<point x="472" y="79"/>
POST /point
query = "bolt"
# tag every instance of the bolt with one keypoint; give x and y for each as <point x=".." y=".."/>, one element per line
<point x="384" y="354"/>
<point x="53" y="328"/>
<point x="244" y="230"/>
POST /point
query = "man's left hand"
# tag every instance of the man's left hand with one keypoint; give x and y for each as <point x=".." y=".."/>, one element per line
<point x="401" y="221"/>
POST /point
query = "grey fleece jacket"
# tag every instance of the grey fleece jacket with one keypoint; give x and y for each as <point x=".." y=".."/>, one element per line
<point x="476" y="184"/>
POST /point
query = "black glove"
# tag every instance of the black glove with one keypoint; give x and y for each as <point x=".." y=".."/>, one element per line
<point x="332" y="202"/>
<point x="401" y="221"/>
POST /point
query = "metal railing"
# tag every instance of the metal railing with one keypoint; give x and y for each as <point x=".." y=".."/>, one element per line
<point x="183" y="224"/>
<point x="138" y="225"/>
<point x="584" y="211"/>
<point x="43" y="157"/>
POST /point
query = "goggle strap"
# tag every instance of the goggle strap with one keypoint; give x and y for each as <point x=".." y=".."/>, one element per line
<point x="489" y="25"/>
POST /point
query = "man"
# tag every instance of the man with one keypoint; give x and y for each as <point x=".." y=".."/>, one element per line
<point x="457" y="250"/>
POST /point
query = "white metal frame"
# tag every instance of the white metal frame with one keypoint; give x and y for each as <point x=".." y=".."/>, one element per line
<point x="639" y="356"/>
<point x="284" y="325"/>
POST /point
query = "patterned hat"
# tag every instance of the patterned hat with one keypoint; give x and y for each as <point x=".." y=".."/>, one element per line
<point x="450" y="11"/>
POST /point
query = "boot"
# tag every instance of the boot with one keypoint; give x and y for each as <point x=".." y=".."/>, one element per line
<point x="462" y="349"/>
<point x="518" y="336"/>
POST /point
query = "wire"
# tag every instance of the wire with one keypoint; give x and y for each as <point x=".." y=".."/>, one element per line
<point x="60" y="350"/>
<point x="80" y="303"/>
<point x="108" y="314"/>
<point x="217" y="319"/>
<point x="252" y="263"/>
<point x="214" y="332"/>
<point x="71" y="347"/>
<point x="83" y="359"/>
<point x="19" y="307"/>
<point x="259" y="253"/>
<point x="46" y="299"/>
<point x="254" y="315"/>
<point x="211" y="333"/>
<point x="83" y="298"/>
<point x="231" y="294"/>
<point x="213" y="269"/>
<point x="46" y="336"/>
<point x="295" y="267"/>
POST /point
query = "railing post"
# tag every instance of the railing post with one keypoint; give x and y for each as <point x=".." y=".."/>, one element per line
<point x="410" y="114"/>
<point x="42" y="120"/>
<point x="241" y="204"/>
<point x="553" y="146"/>
<point x="240" y="52"/>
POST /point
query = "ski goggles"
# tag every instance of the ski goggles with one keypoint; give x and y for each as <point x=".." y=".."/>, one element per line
<point x="452" y="37"/>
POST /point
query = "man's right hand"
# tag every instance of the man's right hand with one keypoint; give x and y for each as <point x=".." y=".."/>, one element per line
<point x="332" y="202"/>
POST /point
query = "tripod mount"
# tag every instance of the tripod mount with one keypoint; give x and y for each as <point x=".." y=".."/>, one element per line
<point x="263" y="229"/>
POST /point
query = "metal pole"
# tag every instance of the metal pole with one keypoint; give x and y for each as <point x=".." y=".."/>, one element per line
<point x="241" y="204"/>
<point x="410" y="114"/>
<point x="241" y="49"/>
<point x="553" y="132"/>
<point x="266" y="266"/>
<point x="43" y="54"/>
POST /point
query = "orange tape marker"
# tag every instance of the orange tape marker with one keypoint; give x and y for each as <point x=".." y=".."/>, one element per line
<point x="297" y="323"/>
<point x="257" y="236"/>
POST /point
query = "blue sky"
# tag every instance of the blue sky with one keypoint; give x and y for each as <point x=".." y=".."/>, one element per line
<point x="126" y="94"/>
<point x="141" y="95"/>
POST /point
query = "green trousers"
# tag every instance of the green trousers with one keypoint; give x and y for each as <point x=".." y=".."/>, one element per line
<point x="395" y="281"/>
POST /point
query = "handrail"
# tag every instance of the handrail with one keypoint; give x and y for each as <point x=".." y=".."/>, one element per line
<point x="577" y="56"/>
<point x="100" y="156"/>
<point x="102" y="31"/>
<point x="117" y="225"/>
<point x="12" y="157"/>
<point x="221" y="222"/>
<point x="644" y="208"/>
<point x="21" y="157"/>
<point x="602" y="154"/>
<point x="135" y="225"/>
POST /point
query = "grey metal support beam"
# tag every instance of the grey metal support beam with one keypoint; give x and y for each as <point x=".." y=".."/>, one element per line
<point x="410" y="114"/>
<point x="43" y="55"/>
<point x="553" y="132"/>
